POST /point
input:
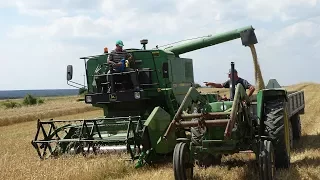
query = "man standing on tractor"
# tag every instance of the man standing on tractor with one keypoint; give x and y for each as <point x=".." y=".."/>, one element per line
<point x="115" y="60"/>
<point x="237" y="79"/>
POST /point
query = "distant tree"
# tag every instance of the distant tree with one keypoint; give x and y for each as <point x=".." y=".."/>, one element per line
<point x="196" y="85"/>
<point x="29" y="100"/>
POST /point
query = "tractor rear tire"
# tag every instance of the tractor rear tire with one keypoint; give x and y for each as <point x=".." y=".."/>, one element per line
<point x="182" y="167"/>
<point x="266" y="161"/>
<point x="275" y="114"/>
<point x="296" y="127"/>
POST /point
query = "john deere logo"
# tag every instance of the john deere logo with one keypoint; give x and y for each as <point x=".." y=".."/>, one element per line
<point x="156" y="53"/>
<point x="112" y="97"/>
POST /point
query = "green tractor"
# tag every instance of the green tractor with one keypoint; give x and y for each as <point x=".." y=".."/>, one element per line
<point x="169" y="118"/>
<point x="265" y="124"/>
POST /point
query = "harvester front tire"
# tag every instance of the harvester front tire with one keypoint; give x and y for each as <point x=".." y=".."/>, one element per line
<point x="276" y="114"/>
<point x="182" y="167"/>
<point x="266" y="161"/>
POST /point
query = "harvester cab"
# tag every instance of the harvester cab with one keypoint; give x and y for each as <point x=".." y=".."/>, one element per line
<point x="123" y="77"/>
<point x="108" y="84"/>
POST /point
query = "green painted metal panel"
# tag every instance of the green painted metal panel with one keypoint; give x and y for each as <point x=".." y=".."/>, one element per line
<point x="182" y="76"/>
<point x="157" y="123"/>
<point x="210" y="97"/>
<point x="92" y="65"/>
<point x="221" y="106"/>
<point x="266" y="93"/>
<point x="259" y="103"/>
<point x="218" y="145"/>
<point x="216" y="133"/>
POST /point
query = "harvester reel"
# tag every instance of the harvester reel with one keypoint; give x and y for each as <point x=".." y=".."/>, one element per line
<point x="136" y="140"/>
<point x="82" y="147"/>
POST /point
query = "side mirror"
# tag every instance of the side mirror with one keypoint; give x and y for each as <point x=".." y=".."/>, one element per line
<point x="69" y="72"/>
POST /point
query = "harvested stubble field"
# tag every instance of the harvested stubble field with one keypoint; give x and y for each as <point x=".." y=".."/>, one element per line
<point x="52" y="107"/>
<point x="18" y="159"/>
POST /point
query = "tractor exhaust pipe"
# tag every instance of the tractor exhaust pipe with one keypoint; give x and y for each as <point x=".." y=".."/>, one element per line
<point x="232" y="79"/>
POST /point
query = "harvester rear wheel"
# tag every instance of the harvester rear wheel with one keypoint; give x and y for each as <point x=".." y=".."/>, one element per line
<point x="278" y="131"/>
<point x="266" y="161"/>
<point x="182" y="167"/>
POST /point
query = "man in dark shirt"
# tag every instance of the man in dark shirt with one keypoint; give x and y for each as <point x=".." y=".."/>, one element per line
<point x="116" y="55"/>
<point x="238" y="80"/>
<point x="114" y="59"/>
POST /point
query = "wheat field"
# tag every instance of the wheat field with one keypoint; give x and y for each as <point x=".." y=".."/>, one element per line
<point x="53" y="107"/>
<point x="18" y="159"/>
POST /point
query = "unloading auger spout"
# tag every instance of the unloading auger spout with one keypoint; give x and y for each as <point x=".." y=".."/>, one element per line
<point x="246" y="34"/>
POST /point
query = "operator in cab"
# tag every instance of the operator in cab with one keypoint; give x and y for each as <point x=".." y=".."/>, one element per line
<point x="237" y="79"/>
<point x="115" y="60"/>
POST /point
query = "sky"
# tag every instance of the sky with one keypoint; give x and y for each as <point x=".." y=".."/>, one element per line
<point x="39" y="38"/>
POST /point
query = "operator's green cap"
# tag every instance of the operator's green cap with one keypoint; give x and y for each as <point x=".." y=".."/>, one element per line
<point x="120" y="43"/>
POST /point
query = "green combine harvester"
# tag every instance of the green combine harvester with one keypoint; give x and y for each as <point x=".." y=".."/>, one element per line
<point x="170" y="120"/>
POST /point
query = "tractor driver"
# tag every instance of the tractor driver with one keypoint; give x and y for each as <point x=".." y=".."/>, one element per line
<point x="114" y="60"/>
<point x="238" y="79"/>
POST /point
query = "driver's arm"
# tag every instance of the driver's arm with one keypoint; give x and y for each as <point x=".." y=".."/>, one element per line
<point x="251" y="90"/>
<point x="248" y="86"/>
<point x="216" y="85"/>
<point x="226" y="84"/>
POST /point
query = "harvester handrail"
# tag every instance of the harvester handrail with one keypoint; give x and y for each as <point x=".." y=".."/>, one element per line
<point x="95" y="56"/>
<point x="240" y="95"/>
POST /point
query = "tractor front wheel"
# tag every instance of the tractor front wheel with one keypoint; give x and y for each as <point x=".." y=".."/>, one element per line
<point x="182" y="166"/>
<point x="266" y="161"/>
